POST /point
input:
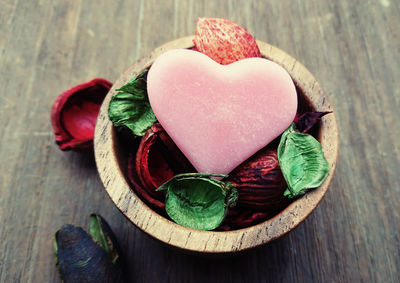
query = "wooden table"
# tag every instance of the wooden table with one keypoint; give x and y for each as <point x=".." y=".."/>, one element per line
<point x="352" y="48"/>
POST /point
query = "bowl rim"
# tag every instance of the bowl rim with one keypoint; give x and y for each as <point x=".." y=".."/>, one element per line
<point x="199" y="241"/>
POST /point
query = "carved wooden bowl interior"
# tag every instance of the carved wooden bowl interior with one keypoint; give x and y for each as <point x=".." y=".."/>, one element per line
<point x="111" y="159"/>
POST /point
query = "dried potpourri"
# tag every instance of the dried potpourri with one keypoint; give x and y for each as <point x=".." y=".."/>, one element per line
<point x="74" y="114"/>
<point x="259" y="186"/>
<point x="158" y="159"/>
<point x="130" y="107"/>
<point x="152" y="169"/>
<point x="155" y="201"/>
<point x="302" y="162"/>
<point x="93" y="257"/>
<point x="257" y="206"/>
<point x="260" y="182"/>
<point x="197" y="200"/>
<point x="224" y="41"/>
<point x="305" y="122"/>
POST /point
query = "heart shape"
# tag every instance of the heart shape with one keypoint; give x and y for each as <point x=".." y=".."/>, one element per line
<point x="220" y="115"/>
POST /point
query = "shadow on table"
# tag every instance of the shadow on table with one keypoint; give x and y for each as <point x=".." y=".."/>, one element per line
<point x="151" y="261"/>
<point x="250" y="266"/>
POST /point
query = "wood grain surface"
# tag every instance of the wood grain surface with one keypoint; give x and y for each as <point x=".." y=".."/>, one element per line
<point x="351" y="47"/>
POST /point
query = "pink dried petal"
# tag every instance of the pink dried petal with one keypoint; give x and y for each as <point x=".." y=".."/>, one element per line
<point x="224" y="41"/>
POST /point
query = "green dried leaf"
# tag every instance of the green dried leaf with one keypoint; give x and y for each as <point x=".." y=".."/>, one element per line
<point x="130" y="107"/>
<point x="198" y="201"/>
<point x="302" y="162"/>
<point x="97" y="233"/>
<point x="102" y="235"/>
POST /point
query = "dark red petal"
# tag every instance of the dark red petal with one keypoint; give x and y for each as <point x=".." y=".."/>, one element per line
<point x="158" y="159"/>
<point x="151" y="167"/>
<point x="140" y="191"/>
<point x="260" y="183"/>
<point x="74" y="113"/>
<point x="305" y="122"/>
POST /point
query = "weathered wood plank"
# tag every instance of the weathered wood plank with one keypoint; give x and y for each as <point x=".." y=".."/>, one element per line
<point x="351" y="47"/>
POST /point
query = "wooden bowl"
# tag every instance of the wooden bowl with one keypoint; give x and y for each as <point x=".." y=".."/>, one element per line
<point x="112" y="165"/>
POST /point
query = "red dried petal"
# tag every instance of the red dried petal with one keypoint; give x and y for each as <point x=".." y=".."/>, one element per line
<point x="151" y="167"/>
<point x="260" y="182"/>
<point x="224" y="41"/>
<point x="140" y="191"/>
<point x="74" y="114"/>
<point x="158" y="159"/>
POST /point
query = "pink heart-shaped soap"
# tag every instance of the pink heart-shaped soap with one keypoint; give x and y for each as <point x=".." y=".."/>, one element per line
<point x="220" y="115"/>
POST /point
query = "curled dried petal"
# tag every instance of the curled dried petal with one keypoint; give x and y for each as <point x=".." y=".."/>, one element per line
<point x="151" y="167"/>
<point x="144" y="194"/>
<point x="74" y="114"/>
<point x="158" y="159"/>
<point x="306" y="121"/>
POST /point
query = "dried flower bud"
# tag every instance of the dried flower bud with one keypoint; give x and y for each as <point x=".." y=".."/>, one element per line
<point x="224" y="41"/>
<point x="260" y="182"/>
<point x="74" y="114"/>
<point x="93" y="257"/>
